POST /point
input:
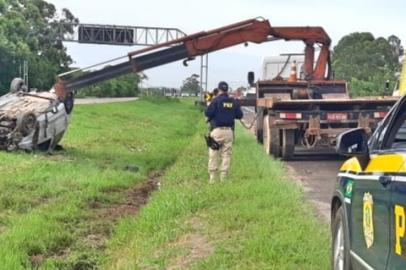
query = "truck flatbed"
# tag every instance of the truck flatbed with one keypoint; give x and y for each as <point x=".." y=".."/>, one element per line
<point x="375" y="101"/>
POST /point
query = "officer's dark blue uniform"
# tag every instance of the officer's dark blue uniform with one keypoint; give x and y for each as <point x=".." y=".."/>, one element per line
<point x="222" y="112"/>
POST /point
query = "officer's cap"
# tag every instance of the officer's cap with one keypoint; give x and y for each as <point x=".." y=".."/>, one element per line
<point x="223" y="86"/>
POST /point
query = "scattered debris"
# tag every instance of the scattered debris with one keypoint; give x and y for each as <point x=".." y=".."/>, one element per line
<point x="132" y="168"/>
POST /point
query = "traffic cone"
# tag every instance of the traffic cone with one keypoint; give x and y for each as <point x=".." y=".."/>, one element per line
<point x="293" y="73"/>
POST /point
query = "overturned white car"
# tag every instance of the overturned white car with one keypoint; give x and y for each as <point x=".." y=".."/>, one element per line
<point x="32" y="120"/>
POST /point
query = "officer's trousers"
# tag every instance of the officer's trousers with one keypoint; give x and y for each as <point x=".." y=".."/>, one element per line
<point x="225" y="137"/>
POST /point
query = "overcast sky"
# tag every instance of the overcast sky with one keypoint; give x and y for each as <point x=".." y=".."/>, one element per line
<point x="382" y="18"/>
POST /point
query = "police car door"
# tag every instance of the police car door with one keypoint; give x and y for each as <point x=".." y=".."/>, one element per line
<point x="369" y="220"/>
<point x="371" y="203"/>
<point x="395" y="144"/>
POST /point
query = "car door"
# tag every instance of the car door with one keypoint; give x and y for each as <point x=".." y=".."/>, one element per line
<point x="369" y="222"/>
<point x="395" y="144"/>
<point x="371" y="203"/>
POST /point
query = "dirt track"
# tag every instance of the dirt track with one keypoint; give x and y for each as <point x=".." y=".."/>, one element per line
<point x="315" y="172"/>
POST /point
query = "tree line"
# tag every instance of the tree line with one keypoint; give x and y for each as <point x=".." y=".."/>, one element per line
<point x="367" y="63"/>
<point x="27" y="34"/>
<point x="30" y="31"/>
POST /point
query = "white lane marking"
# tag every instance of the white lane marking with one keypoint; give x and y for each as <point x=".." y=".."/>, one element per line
<point x="248" y="109"/>
<point x="360" y="260"/>
<point x="103" y="100"/>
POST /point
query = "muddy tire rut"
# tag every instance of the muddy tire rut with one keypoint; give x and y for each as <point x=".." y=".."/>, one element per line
<point x="100" y="224"/>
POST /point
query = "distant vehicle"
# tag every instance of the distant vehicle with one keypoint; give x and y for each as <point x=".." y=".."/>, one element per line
<point x="368" y="208"/>
<point x="184" y="94"/>
<point x="32" y="120"/>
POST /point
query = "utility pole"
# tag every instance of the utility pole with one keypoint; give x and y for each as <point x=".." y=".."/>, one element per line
<point x="23" y="70"/>
<point x="204" y="73"/>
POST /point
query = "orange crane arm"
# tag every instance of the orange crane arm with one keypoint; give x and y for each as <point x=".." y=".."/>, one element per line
<point x="254" y="30"/>
<point x="310" y="36"/>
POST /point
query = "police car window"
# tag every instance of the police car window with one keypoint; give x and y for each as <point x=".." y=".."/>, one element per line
<point x="397" y="135"/>
<point x="400" y="137"/>
<point x="378" y="136"/>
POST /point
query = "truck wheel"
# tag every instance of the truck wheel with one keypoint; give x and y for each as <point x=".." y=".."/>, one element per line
<point x="271" y="139"/>
<point x="340" y="256"/>
<point x="288" y="143"/>
<point x="275" y="142"/>
<point x="259" y="130"/>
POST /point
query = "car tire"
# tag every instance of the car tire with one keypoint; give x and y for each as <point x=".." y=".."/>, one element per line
<point x="340" y="252"/>
<point x="16" y="85"/>
<point x="69" y="102"/>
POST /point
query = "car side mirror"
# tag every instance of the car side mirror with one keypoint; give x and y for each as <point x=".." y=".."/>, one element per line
<point x="353" y="143"/>
<point x="251" y="78"/>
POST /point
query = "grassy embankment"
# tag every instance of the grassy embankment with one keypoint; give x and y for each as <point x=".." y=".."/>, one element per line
<point x="55" y="211"/>
<point x="255" y="220"/>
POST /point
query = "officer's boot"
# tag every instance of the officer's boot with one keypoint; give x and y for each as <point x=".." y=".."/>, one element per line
<point x="223" y="176"/>
<point x="212" y="177"/>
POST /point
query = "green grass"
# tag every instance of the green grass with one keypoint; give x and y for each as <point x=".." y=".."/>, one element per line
<point x="44" y="200"/>
<point x="53" y="207"/>
<point x="256" y="220"/>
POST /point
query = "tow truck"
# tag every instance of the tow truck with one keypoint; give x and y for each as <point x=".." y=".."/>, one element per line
<point x="309" y="110"/>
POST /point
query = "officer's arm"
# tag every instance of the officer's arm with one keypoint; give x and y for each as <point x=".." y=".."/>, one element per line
<point x="238" y="114"/>
<point x="211" y="110"/>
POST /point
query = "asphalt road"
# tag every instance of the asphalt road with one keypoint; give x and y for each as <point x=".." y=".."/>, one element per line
<point x="102" y="100"/>
<point x="315" y="172"/>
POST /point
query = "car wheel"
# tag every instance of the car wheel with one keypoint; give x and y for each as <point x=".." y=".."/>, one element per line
<point x="340" y="249"/>
<point x="69" y="103"/>
<point x="16" y="85"/>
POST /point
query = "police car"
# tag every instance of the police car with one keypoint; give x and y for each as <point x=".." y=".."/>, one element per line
<point x="368" y="208"/>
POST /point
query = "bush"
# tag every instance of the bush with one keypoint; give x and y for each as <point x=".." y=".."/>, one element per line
<point x="125" y="86"/>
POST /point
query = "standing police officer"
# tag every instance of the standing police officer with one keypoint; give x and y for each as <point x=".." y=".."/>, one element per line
<point x="222" y="112"/>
